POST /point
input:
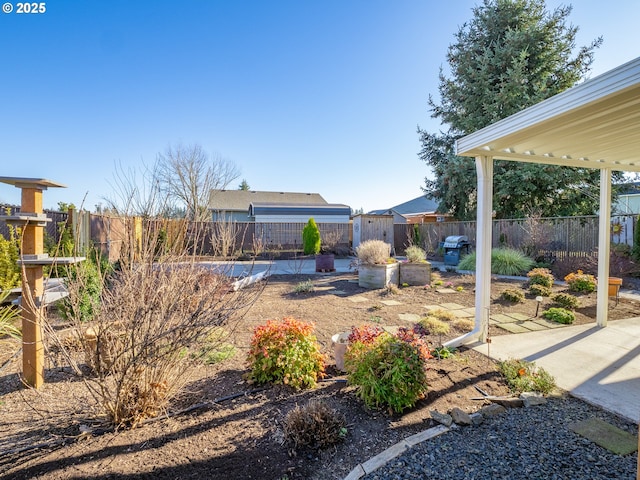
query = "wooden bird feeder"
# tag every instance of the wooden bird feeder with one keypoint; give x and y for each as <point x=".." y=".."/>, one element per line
<point x="32" y="259"/>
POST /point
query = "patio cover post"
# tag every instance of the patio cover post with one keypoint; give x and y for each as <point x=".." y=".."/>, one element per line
<point x="484" y="168"/>
<point x="604" y="240"/>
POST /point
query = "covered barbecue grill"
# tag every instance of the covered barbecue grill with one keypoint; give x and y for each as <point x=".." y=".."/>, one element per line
<point x="454" y="246"/>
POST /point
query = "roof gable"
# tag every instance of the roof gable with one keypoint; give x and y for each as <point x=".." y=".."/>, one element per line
<point x="239" y="200"/>
<point x="420" y="204"/>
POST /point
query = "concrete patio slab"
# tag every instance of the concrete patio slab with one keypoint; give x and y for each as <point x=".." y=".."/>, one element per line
<point x="533" y="326"/>
<point x="357" y="299"/>
<point x="601" y="365"/>
<point x="409" y="317"/>
<point x="512" y="328"/>
<point x="452" y="306"/>
<point x="390" y="303"/>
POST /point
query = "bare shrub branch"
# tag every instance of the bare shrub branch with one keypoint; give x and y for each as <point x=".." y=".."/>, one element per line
<point x="188" y="174"/>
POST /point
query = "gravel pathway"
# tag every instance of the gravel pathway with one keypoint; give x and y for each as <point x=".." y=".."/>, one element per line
<point x="522" y="443"/>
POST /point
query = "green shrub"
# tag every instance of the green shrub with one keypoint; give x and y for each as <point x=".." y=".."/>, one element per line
<point x="314" y="426"/>
<point x="507" y="261"/>
<point x="539" y="290"/>
<point x="442" y="314"/>
<point x="621" y="249"/>
<point x="580" y="282"/>
<point x="443" y="352"/>
<point x="435" y="326"/>
<point x="468" y="262"/>
<point x="523" y="376"/>
<point x="285" y="352"/>
<point x="389" y="372"/>
<point x="514" y="295"/>
<point x="84" y="283"/>
<point x="214" y="349"/>
<point x="541" y="276"/>
<point x="504" y="261"/>
<point x="373" y="252"/>
<point x="304" y="287"/>
<point x="566" y="300"/>
<point x="415" y="254"/>
<point x="560" y="315"/>
<point x="8" y="317"/>
<point x="311" y="238"/>
<point x="9" y="254"/>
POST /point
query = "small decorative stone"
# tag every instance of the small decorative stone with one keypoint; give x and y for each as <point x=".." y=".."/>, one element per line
<point x="492" y="410"/>
<point x="477" y="418"/>
<point x="441" y="418"/>
<point x="460" y="417"/>
<point x="532" y="398"/>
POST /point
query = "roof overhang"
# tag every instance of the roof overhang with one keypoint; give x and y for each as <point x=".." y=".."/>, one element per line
<point x="593" y="125"/>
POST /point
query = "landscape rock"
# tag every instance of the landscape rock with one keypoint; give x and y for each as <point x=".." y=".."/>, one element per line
<point x="509" y="402"/>
<point x="441" y="418"/>
<point x="477" y="418"/>
<point x="460" y="417"/>
<point x="492" y="410"/>
<point x="530" y="399"/>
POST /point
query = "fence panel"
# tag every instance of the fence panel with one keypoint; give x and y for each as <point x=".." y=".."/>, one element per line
<point x="50" y="230"/>
<point x="546" y="237"/>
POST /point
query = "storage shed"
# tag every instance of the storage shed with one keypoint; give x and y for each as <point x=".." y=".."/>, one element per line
<point x="372" y="227"/>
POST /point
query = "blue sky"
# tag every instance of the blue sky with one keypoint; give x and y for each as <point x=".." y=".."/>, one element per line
<point x="303" y="96"/>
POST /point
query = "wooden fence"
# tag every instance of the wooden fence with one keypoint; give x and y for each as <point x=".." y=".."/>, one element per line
<point x="51" y="230"/>
<point x="556" y="237"/>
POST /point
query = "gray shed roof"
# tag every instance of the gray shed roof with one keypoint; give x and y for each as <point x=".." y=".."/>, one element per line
<point x="239" y="200"/>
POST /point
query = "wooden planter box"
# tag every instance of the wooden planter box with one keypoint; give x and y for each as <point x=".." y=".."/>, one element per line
<point x="415" y="273"/>
<point x="378" y="276"/>
<point x="325" y="262"/>
<point x="614" y="286"/>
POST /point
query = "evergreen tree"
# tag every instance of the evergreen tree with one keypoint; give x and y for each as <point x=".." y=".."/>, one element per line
<point x="311" y="238"/>
<point x="511" y="55"/>
<point x="244" y="186"/>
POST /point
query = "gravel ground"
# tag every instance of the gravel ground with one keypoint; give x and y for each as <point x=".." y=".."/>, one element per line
<point x="522" y="443"/>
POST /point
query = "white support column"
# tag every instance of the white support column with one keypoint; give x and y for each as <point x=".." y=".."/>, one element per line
<point x="484" y="168"/>
<point x="604" y="240"/>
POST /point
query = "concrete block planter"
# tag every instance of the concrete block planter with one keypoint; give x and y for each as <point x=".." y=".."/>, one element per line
<point x="378" y="276"/>
<point x="415" y="273"/>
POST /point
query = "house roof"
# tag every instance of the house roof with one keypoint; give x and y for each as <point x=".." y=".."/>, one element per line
<point x="298" y="209"/>
<point x="239" y="200"/>
<point x="419" y="205"/>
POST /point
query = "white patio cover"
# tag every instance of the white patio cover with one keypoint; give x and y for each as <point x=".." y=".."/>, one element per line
<point x="593" y="125"/>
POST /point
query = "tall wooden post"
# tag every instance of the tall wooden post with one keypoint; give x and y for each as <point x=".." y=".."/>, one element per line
<point x="32" y="259"/>
<point x="32" y="291"/>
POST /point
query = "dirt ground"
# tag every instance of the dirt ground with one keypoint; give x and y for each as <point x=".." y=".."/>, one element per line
<point x="237" y="431"/>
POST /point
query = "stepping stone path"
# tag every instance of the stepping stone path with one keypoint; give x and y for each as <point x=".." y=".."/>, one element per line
<point x="511" y="322"/>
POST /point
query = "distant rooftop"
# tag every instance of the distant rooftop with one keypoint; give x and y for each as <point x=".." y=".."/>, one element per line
<point x="239" y="200"/>
<point x="418" y="205"/>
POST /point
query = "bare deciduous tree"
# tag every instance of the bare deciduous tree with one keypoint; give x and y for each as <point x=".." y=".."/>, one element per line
<point x="187" y="174"/>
